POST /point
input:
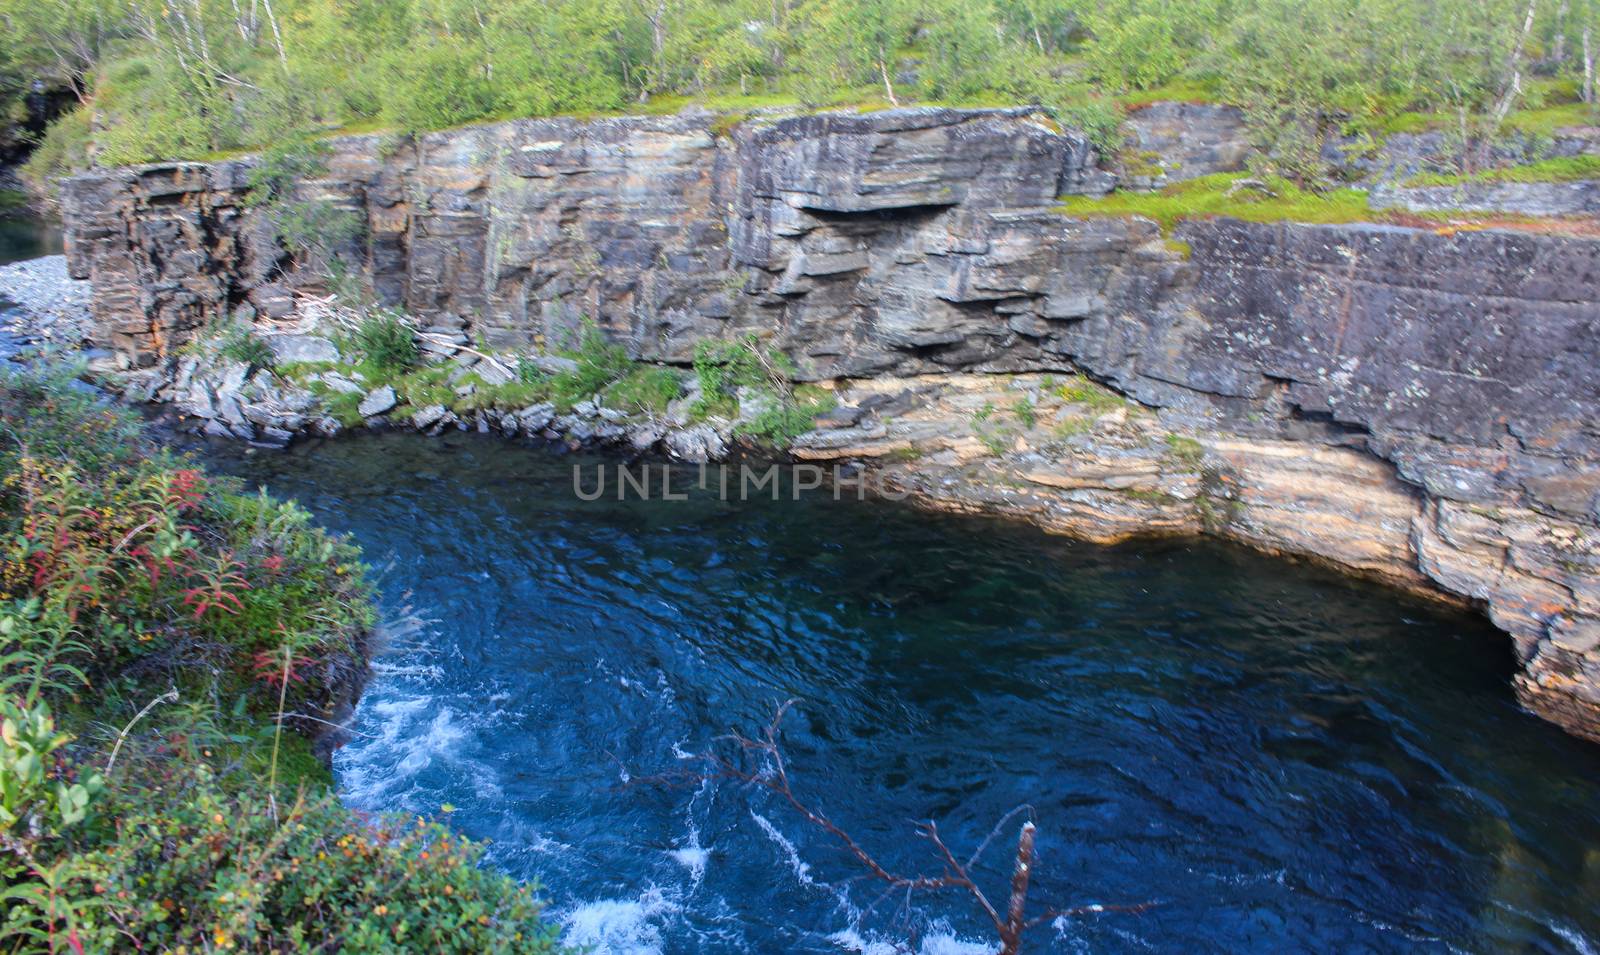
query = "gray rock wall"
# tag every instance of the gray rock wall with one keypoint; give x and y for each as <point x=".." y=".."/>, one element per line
<point x="1169" y="142"/>
<point x="1419" y="406"/>
<point x="1581" y="198"/>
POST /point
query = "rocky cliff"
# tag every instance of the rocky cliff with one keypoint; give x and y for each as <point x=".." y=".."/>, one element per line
<point x="1411" y="405"/>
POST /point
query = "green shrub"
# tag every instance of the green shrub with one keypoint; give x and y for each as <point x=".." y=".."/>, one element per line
<point x="1135" y="49"/>
<point x="645" y="389"/>
<point x="12" y="202"/>
<point x="426" y="385"/>
<point x="510" y="396"/>
<point x="242" y="344"/>
<point x="1185" y="450"/>
<point x="437" y="83"/>
<point x="1026" y="414"/>
<point x="996" y="441"/>
<point x="343" y="407"/>
<point x="304" y="226"/>
<point x="116" y="557"/>
<point x="780" y="422"/>
<point x="195" y="866"/>
<point x="204" y="618"/>
<point x="1081" y="390"/>
<point x="32" y="796"/>
<point x="62" y="151"/>
<point x="725" y="368"/>
<point x="600" y="362"/>
<point x="602" y="368"/>
<point x="385" y="342"/>
<point x="186" y="86"/>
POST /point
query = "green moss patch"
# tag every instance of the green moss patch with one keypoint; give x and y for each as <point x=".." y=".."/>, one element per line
<point x="1233" y="195"/>
<point x="1564" y="169"/>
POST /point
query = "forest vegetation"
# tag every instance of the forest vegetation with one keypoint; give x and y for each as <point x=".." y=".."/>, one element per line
<point x="174" y="79"/>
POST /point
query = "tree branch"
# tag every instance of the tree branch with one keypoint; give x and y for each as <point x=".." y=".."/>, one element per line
<point x="760" y="762"/>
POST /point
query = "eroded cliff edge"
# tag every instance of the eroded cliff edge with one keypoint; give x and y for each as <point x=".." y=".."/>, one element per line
<point x="1408" y="404"/>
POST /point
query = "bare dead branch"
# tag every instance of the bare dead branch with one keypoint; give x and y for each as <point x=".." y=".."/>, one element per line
<point x="1093" y="909"/>
<point x="760" y="762"/>
<point x="1016" y="924"/>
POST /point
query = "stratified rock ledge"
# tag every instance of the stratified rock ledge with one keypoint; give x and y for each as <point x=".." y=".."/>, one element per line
<point x="1416" y="406"/>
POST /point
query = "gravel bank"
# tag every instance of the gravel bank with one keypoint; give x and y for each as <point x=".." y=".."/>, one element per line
<point x="43" y="305"/>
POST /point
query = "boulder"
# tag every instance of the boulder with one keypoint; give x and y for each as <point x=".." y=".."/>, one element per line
<point x="535" y="418"/>
<point x="290" y="349"/>
<point x="494" y="372"/>
<point x="340" y="383"/>
<point x="378" y="401"/>
<point x="699" y="443"/>
<point x="426" y="418"/>
<point x="552" y="364"/>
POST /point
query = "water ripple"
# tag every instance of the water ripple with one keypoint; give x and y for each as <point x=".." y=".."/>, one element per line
<point x="1282" y="759"/>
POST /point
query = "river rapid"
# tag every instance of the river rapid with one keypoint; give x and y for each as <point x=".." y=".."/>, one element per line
<point x="1277" y="757"/>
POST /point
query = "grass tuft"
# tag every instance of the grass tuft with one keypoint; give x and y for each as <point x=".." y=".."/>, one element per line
<point x="1235" y="195"/>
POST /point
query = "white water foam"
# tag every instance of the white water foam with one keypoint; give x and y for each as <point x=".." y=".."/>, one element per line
<point x="691" y="854"/>
<point x="408" y="734"/>
<point x="430" y="671"/>
<point x="1578" y="942"/>
<point x="441" y="737"/>
<point x="801" y="870"/>
<point x="937" y="942"/>
<point x="693" y="858"/>
<point x="619" y="926"/>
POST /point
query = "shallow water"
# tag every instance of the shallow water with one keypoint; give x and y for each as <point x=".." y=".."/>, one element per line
<point x="20" y="239"/>
<point x="1279" y="758"/>
<point x="27" y="239"/>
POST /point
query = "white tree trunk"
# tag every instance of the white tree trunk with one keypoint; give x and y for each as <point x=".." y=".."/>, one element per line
<point x="1588" y="68"/>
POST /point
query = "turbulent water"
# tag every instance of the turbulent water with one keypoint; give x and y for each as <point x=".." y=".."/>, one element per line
<point x="1278" y="758"/>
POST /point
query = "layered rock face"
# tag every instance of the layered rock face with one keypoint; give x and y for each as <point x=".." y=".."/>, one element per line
<point x="1415" y="406"/>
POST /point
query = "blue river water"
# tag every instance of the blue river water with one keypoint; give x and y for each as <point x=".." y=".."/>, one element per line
<point x="1278" y="758"/>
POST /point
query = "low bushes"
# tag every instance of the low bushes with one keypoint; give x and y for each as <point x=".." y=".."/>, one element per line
<point x="384" y="341"/>
<point x="157" y="628"/>
<point x="745" y="370"/>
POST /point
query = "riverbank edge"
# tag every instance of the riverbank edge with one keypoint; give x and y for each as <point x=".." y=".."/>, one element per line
<point x="944" y="443"/>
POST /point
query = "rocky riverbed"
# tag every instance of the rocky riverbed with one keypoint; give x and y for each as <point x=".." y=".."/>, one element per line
<point x="47" y="306"/>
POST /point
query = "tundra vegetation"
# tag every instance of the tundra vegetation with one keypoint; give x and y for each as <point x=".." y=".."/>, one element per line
<point x="170" y="79"/>
<point x="170" y="648"/>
